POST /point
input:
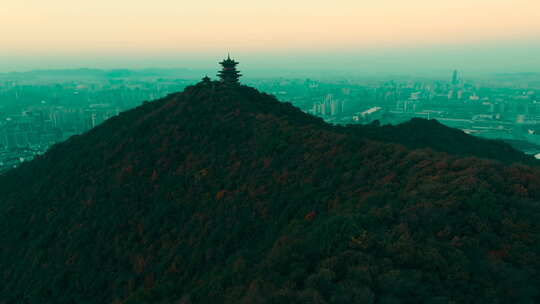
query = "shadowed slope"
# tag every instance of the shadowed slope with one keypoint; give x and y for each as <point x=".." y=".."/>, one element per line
<point x="421" y="133"/>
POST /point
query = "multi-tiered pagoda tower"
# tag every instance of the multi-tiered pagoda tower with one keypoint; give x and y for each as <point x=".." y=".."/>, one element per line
<point x="229" y="75"/>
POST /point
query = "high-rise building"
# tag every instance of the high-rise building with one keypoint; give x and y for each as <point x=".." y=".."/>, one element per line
<point x="455" y="78"/>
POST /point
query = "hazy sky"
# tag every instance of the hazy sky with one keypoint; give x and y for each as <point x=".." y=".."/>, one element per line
<point x="297" y="34"/>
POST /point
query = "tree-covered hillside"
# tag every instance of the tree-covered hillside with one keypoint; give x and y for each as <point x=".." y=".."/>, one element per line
<point x="222" y="194"/>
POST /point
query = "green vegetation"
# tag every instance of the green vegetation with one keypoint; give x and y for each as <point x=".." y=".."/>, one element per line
<point x="222" y="194"/>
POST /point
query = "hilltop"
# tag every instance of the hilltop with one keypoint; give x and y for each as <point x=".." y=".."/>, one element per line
<point x="222" y="194"/>
<point x="422" y="133"/>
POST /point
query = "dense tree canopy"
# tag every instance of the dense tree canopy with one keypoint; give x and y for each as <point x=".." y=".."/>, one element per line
<point x="225" y="195"/>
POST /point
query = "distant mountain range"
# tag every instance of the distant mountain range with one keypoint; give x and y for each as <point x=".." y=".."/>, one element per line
<point x="222" y="194"/>
<point x="62" y="75"/>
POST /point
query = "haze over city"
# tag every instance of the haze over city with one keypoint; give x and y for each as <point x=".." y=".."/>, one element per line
<point x="383" y="36"/>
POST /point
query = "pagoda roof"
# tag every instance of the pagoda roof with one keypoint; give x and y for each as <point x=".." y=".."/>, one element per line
<point x="229" y="60"/>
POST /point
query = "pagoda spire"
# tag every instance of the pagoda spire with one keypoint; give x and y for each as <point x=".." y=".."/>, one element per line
<point x="229" y="74"/>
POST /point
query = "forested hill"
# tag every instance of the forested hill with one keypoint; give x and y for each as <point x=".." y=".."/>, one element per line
<point x="421" y="133"/>
<point x="222" y="194"/>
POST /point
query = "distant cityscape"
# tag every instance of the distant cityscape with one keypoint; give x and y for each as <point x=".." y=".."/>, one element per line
<point x="504" y="107"/>
<point x="34" y="116"/>
<point x="39" y="111"/>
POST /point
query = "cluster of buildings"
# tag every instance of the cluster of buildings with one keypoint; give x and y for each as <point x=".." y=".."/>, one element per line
<point x="505" y="106"/>
<point x="329" y="106"/>
<point x="494" y="111"/>
<point x="35" y="116"/>
<point x="38" y="127"/>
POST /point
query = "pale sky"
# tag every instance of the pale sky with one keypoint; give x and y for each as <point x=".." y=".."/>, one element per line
<point x="136" y="33"/>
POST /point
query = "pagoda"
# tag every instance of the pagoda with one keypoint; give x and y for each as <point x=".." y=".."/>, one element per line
<point x="229" y="75"/>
